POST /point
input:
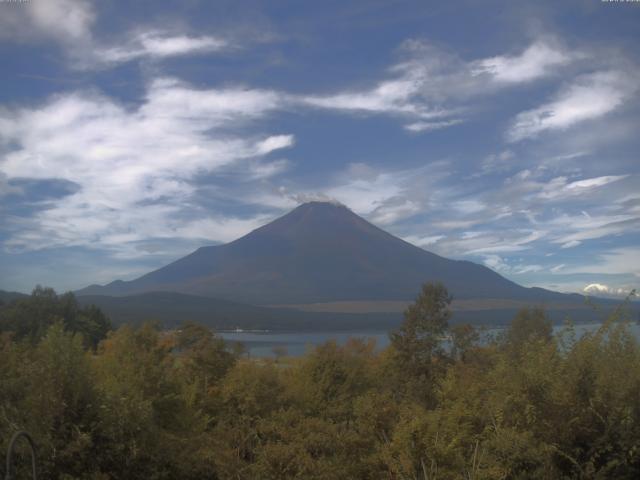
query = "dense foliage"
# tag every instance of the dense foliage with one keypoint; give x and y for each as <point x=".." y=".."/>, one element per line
<point x="150" y="404"/>
<point x="30" y="318"/>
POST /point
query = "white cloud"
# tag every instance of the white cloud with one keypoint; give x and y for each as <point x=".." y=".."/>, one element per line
<point x="619" y="291"/>
<point x="423" y="241"/>
<point x="70" y="22"/>
<point x="569" y="156"/>
<point x="572" y="230"/>
<point x="623" y="260"/>
<point x="134" y="167"/>
<point x="496" y="162"/>
<point x="495" y="262"/>
<point x="521" y="269"/>
<point x="526" y="212"/>
<point x="560" y="187"/>
<point x="223" y="229"/>
<point x="429" y="126"/>
<point x="365" y="196"/>
<point x="594" y="182"/>
<point x="286" y="199"/>
<point x="456" y="224"/>
<point x="159" y="44"/>
<point x="596" y="287"/>
<point x="488" y="242"/>
<point x="263" y="170"/>
<point x="65" y="18"/>
<point x="386" y="196"/>
<point x="391" y="97"/>
<point x="275" y="142"/>
<point x="588" y="97"/>
<point x="6" y="188"/>
<point x="599" y="289"/>
<point x="538" y="60"/>
<point x="501" y="265"/>
<point x="383" y="196"/>
<point x="429" y="85"/>
<point x="393" y="210"/>
<point x="469" y="206"/>
<point x="67" y="21"/>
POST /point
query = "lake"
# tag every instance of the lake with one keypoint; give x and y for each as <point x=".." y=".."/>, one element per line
<point x="262" y="344"/>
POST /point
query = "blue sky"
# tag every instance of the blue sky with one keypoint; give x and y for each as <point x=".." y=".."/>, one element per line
<point x="505" y="133"/>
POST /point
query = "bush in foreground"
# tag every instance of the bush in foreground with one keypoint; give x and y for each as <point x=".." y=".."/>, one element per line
<point x="154" y="405"/>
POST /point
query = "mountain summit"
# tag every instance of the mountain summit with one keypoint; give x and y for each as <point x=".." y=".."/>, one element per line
<point x="320" y="252"/>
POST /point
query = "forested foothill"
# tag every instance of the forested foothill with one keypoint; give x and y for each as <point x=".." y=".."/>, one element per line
<point x="145" y="403"/>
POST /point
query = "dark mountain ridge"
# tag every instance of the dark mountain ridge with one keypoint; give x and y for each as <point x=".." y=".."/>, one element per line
<point x="321" y="252"/>
<point x="8" y="297"/>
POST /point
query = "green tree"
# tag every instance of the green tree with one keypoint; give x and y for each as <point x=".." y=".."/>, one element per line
<point x="144" y="418"/>
<point x="463" y="338"/>
<point x="529" y="324"/>
<point x="48" y="390"/>
<point x="29" y="318"/>
<point x="204" y="355"/>
<point x="417" y="344"/>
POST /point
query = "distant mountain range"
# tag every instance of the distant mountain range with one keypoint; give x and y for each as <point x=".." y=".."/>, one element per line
<point x="321" y="252"/>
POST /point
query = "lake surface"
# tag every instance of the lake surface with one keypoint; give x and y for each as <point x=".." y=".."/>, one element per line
<point x="263" y="344"/>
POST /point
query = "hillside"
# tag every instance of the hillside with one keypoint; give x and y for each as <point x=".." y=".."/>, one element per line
<point x="6" y="297"/>
<point x="172" y="309"/>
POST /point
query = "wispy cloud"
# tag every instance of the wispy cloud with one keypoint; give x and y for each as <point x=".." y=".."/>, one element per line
<point x="66" y="21"/>
<point x="496" y="162"/>
<point x="528" y="212"/>
<point x="429" y="86"/>
<point x="70" y="24"/>
<point x="400" y="96"/>
<point x="6" y="188"/>
<point x="561" y="187"/>
<point x="428" y="126"/>
<point x="501" y="265"/>
<point x="622" y="260"/>
<point x="423" y="241"/>
<point x="491" y="243"/>
<point x="158" y="45"/>
<point x="496" y="263"/>
<point x="386" y="196"/>
<point x="538" y="60"/>
<point x="575" y="229"/>
<point x="587" y="97"/>
<point x="135" y="168"/>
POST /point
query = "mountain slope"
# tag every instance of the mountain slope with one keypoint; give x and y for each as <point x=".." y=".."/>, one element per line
<point x="320" y="252"/>
<point x="7" y="297"/>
